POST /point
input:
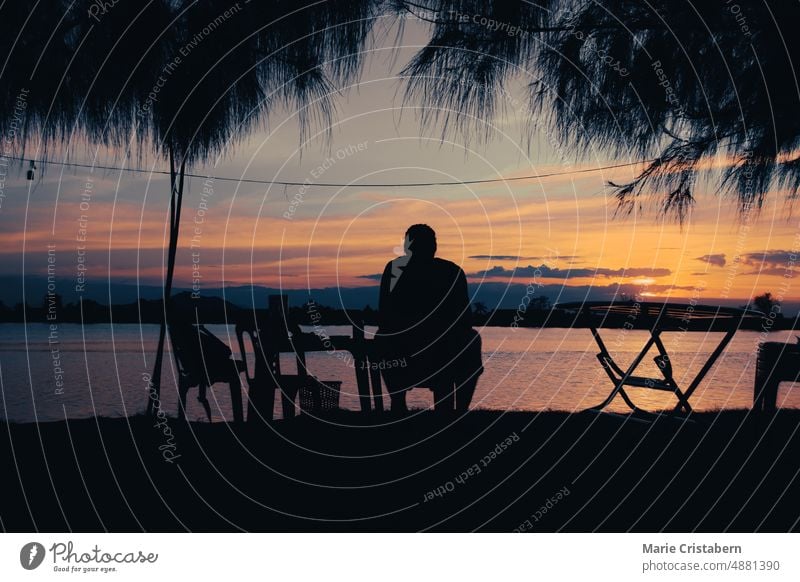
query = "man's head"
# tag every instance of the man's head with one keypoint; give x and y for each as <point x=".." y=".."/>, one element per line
<point x="421" y="241"/>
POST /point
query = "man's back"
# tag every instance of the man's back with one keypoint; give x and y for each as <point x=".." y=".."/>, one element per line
<point x="427" y="302"/>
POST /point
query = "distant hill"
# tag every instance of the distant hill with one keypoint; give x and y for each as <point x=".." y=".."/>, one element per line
<point x="492" y="295"/>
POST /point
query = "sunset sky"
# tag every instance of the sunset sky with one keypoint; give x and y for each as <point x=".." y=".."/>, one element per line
<point x="558" y="230"/>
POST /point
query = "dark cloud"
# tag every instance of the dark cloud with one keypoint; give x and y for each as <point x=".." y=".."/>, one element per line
<point x="519" y="258"/>
<point x="660" y="288"/>
<point x="718" y="260"/>
<point x="373" y="277"/>
<point x="770" y="262"/>
<point x="503" y="258"/>
<point x="545" y="272"/>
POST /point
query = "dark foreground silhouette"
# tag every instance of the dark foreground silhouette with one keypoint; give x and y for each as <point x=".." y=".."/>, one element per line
<point x="488" y="471"/>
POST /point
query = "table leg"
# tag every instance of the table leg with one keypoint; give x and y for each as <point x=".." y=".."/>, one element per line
<point x="377" y="389"/>
<point x="704" y="370"/>
<point x="618" y="388"/>
<point x="362" y="380"/>
<point x="665" y="366"/>
<point x="361" y="362"/>
<point x="261" y="398"/>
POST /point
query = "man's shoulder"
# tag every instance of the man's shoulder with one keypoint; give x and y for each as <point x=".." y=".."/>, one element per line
<point x="444" y="264"/>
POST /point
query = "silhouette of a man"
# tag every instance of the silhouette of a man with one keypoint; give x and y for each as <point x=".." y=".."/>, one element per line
<point x="425" y="324"/>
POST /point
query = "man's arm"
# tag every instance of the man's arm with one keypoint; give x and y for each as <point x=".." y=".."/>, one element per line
<point x="461" y="306"/>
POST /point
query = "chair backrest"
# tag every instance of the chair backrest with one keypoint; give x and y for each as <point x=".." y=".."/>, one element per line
<point x="197" y="350"/>
<point x="270" y="333"/>
<point x="777" y="361"/>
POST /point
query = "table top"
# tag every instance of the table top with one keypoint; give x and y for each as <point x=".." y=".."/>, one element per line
<point x="664" y="312"/>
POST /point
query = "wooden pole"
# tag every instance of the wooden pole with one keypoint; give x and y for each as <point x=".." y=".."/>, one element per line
<point x="176" y="199"/>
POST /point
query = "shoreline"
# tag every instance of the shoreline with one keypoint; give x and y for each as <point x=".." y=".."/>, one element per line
<point x="137" y="417"/>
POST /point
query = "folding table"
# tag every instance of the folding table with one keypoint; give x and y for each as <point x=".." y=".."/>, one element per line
<point x="656" y="318"/>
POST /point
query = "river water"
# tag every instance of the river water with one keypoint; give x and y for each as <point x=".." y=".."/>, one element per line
<point x="104" y="370"/>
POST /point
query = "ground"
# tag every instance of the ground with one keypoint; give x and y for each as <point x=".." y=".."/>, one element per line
<point x="489" y="471"/>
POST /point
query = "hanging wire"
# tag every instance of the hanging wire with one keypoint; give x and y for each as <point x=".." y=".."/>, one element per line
<point x="337" y="184"/>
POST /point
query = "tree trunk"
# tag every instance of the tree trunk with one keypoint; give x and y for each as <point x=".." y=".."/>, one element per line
<point x="176" y="198"/>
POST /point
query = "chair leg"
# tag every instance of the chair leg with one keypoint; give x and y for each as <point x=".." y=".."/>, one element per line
<point x="770" y="397"/>
<point x="236" y="399"/>
<point x="398" y="402"/>
<point x="201" y="397"/>
<point x="377" y="391"/>
<point x="183" y="389"/>
<point x="683" y="403"/>
<point x="628" y="400"/>
<point x="288" y="394"/>
<point x="261" y="400"/>
<point x="397" y="394"/>
<point x="465" y="392"/>
<point x="362" y="382"/>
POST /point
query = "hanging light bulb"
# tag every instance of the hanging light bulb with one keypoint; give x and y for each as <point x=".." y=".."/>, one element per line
<point x="31" y="172"/>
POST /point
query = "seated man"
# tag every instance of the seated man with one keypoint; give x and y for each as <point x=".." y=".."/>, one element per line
<point x="425" y="321"/>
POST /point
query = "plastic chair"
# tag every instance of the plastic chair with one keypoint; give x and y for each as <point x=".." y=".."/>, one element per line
<point x="203" y="360"/>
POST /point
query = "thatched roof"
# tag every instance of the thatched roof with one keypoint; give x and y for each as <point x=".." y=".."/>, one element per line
<point x="160" y="74"/>
<point x="672" y="81"/>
